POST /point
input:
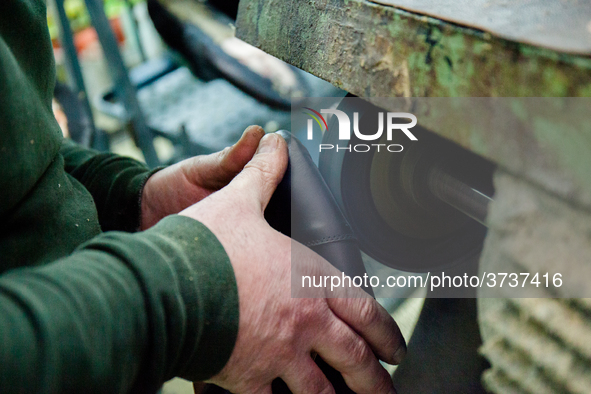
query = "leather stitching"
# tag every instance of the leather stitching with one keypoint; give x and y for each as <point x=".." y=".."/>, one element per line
<point x="332" y="238"/>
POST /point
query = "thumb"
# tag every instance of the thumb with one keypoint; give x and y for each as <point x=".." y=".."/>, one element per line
<point x="214" y="171"/>
<point x="232" y="160"/>
<point x="257" y="182"/>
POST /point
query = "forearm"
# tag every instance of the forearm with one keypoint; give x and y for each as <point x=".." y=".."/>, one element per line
<point x="124" y="313"/>
<point x="115" y="183"/>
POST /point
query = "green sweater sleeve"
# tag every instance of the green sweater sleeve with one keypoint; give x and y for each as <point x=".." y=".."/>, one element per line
<point x="115" y="183"/>
<point x="123" y="313"/>
<point x="83" y="311"/>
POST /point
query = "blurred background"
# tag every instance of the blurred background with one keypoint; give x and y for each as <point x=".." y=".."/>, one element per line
<point x="163" y="80"/>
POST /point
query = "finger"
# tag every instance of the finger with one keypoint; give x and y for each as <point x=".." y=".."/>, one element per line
<point x="372" y="322"/>
<point x="260" y="177"/>
<point x="307" y="378"/>
<point x="233" y="160"/>
<point x="218" y="169"/>
<point x="349" y="354"/>
<point x="350" y="304"/>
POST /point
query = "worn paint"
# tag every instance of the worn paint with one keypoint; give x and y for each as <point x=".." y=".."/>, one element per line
<point x="327" y="37"/>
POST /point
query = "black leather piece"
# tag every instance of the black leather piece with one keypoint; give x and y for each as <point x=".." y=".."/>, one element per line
<point x="304" y="208"/>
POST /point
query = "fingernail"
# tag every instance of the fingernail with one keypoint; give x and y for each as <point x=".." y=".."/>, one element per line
<point x="268" y="144"/>
<point x="399" y="354"/>
<point x="254" y="127"/>
<point x="247" y="130"/>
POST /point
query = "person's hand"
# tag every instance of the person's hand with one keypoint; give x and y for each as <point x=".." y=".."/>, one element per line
<point x="277" y="333"/>
<point x="177" y="187"/>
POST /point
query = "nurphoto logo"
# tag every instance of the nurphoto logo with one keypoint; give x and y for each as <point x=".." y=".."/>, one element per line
<point x="345" y="129"/>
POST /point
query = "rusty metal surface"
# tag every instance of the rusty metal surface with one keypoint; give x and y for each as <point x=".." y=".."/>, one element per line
<point x="563" y="26"/>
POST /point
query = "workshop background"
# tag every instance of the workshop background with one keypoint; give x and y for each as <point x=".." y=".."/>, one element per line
<point x="161" y="80"/>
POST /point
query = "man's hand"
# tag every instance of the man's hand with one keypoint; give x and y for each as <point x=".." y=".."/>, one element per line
<point x="277" y="333"/>
<point x="179" y="186"/>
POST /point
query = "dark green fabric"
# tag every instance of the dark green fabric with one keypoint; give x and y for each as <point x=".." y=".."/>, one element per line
<point x="82" y="310"/>
<point x="117" y="196"/>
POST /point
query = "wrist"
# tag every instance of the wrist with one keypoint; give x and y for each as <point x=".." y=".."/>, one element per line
<point x="147" y="212"/>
